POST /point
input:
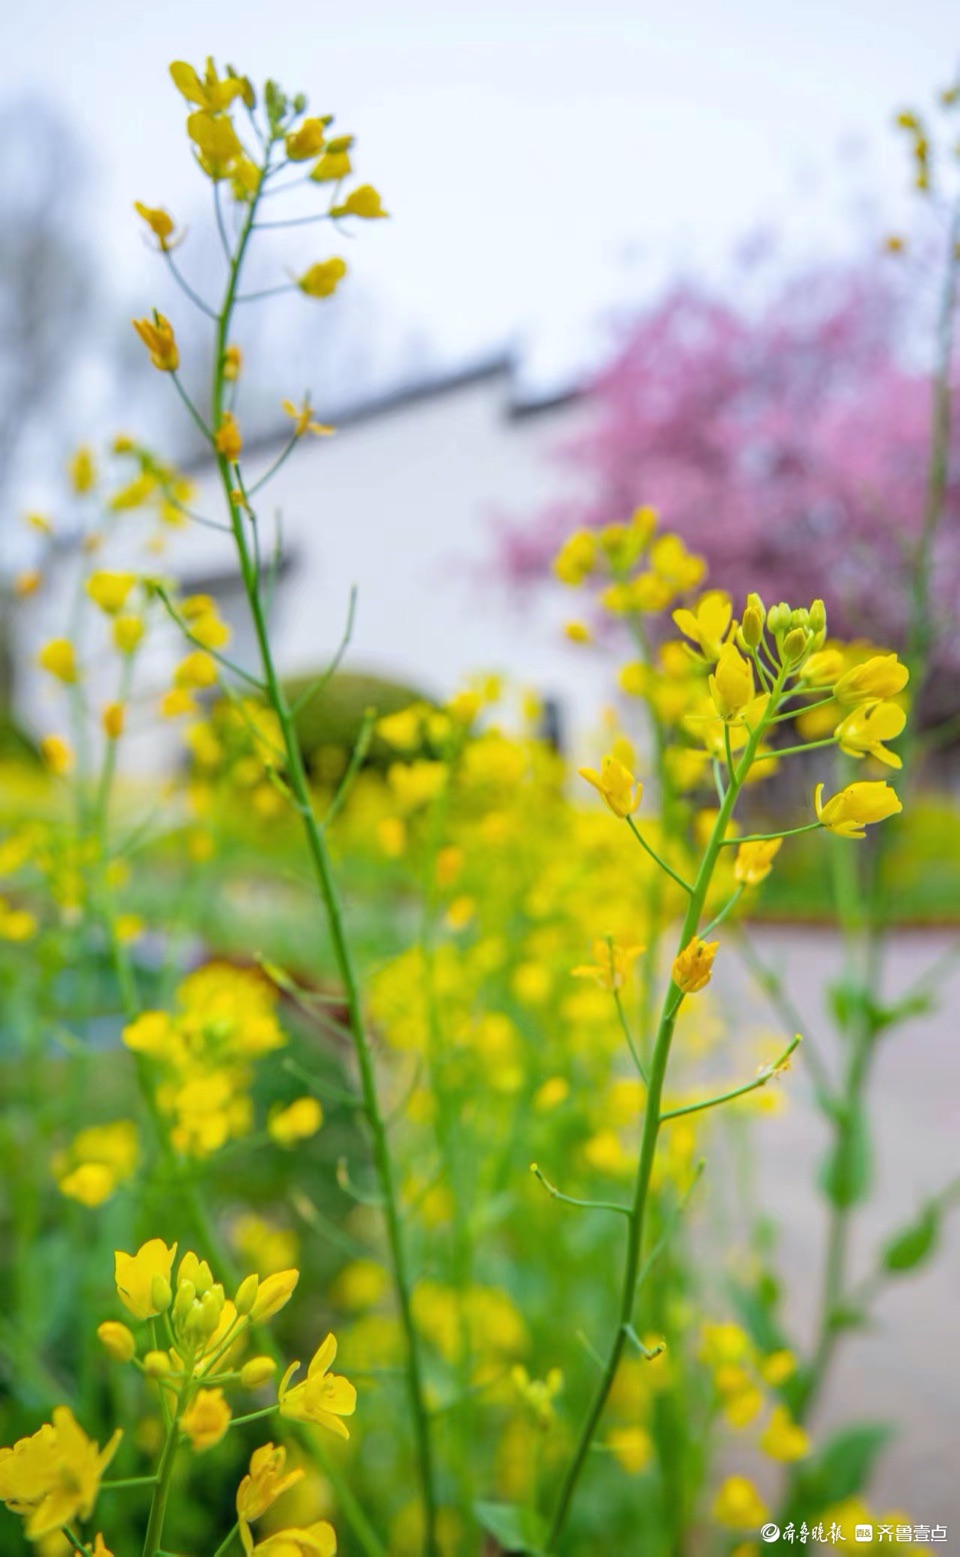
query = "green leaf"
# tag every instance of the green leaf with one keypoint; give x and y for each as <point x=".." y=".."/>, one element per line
<point x="840" y="1469"/>
<point x="845" y="1176"/>
<point x="913" y="1244"/>
<point x="518" y="1529"/>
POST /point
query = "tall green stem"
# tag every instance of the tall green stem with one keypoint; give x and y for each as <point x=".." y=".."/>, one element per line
<point x="320" y="861"/>
<point x="648" y="1146"/>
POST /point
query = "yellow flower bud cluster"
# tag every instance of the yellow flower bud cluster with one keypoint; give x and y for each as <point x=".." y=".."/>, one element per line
<point x="202" y="1054"/>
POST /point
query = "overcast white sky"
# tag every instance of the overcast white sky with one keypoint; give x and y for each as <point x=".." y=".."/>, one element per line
<point x="540" y="158"/>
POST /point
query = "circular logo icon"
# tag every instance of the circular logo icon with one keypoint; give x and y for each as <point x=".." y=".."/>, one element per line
<point x="770" y="1533"/>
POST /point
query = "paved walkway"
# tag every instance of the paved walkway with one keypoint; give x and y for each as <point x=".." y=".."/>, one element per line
<point x="906" y="1369"/>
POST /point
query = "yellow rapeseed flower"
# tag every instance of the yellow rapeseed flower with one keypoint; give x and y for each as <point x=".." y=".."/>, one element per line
<point x="110" y="590"/>
<point x="206" y="1419"/>
<point x="82" y="471"/>
<point x="693" y="967"/>
<point x="273" y="1293"/>
<point x="731" y="684"/>
<point x="866" y="727"/>
<point x="53" y="1478"/>
<point x="297" y="1122"/>
<point x="306" y="140"/>
<point x="576" y="558"/>
<point x="856" y="807"/>
<point x="217" y="144"/>
<point x="316" y="1540"/>
<point x="707" y="624"/>
<point x="57" y="657"/>
<point x="127" y="633"/>
<point x="335" y="163"/>
<point x="27" y="583"/>
<point x="160" y="223"/>
<point x="302" y="417"/>
<point x="195" y="671"/>
<point x="57" y="755"/>
<point x="615" y="782"/>
<point x="322" y="1397"/>
<point x="738" y="1505"/>
<point x="364" y="201"/>
<point x="323" y="278"/>
<point x="209" y="92"/>
<point x="158" y="337"/>
<point x="783" y="1438"/>
<point x="754" y="861"/>
<point x="611" y="966"/>
<point x="266" y="1481"/>
<point x="227" y="439"/>
<point x="883" y="676"/>
<point x="143" y="1279"/>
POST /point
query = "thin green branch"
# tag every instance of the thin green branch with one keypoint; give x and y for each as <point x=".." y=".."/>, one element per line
<point x="571" y="1200"/>
<point x="655" y="856"/>
<point x="766" y="1074"/>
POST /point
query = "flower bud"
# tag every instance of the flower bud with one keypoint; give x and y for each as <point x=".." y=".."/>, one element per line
<point x="778" y="618"/>
<point x="754" y="603"/>
<point x="246" y="1295"/>
<point x="210" y="1309"/>
<point x="818" y="616"/>
<point x="751" y="628"/>
<point x="274" y="1292"/>
<point x="156" y="1365"/>
<point x="160" y="1294"/>
<point x="794" y="645"/>
<point x="257" y="1371"/>
<point x="184" y="1301"/>
<point x="117" y="1340"/>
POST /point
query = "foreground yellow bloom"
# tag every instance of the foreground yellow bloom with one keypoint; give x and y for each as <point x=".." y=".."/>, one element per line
<point x="82" y="471"/>
<point x="576" y="558"/>
<point x="266" y="1481"/>
<point x="303" y="419"/>
<point x="620" y="790"/>
<point x="739" y="1505"/>
<point x="316" y="1540"/>
<point x="364" y="202"/>
<point x="880" y="677"/>
<point x="322" y="1397"/>
<point x="856" y="807"/>
<point x="110" y="590"/>
<point x="864" y="730"/>
<point x="57" y="657"/>
<point x="754" y="861"/>
<point x="335" y="163"/>
<point x="127" y="633"/>
<point x="323" y="278"/>
<point x="206" y="1419"/>
<point x="218" y="147"/>
<point x="307" y="140"/>
<point x="707" y="624"/>
<point x="227" y="439"/>
<point x="210" y="92"/>
<point x="693" y="968"/>
<point x="611" y="966"/>
<point x="143" y="1279"/>
<point x="158" y="337"/>
<point x="297" y="1122"/>
<point x="782" y="1438"/>
<point x="53" y="1478"/>
<point x="731" y="685"/>
<point x="57" y="755"/>
<point x="160" y="223"/>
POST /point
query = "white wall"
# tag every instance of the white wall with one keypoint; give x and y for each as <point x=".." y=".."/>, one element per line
<point x="399" y="504"/>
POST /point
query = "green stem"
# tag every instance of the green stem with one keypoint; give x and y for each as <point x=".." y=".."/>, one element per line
<point x="161" y="1492"/>
<point x="766" y="1075"/>
<point x="655" y="856"/>
<point x="322" y="869"/>
<point x="648" y="1144"/>
<point x="226" y="1542"/>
